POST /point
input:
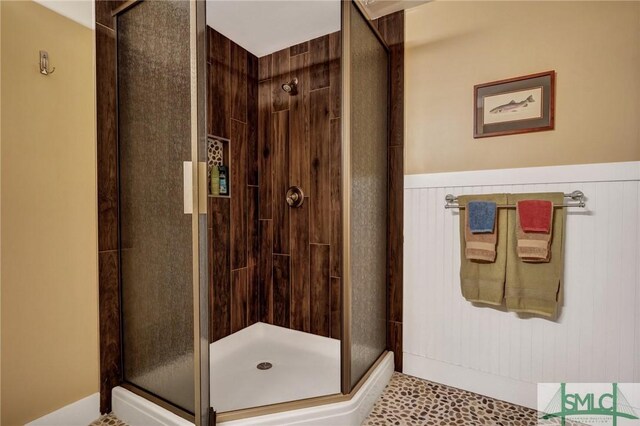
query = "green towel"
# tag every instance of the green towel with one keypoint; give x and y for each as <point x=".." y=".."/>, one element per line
<point x="534" y="287"/>
<point x="483" y="282"/>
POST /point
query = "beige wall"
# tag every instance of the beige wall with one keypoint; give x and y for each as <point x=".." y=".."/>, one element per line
<point x="49" y="308"/>
<point x="451" y="46"/>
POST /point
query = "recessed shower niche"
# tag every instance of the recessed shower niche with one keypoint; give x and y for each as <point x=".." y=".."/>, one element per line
<point x="218" y="166"/>
<point x="279" y="95"/>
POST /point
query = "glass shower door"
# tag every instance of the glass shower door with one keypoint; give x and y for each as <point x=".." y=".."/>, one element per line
<point x="365" y="108"/>
<point x="160" y="135"/>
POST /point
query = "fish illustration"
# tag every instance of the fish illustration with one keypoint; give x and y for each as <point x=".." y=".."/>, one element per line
<point x="512" y="106"/>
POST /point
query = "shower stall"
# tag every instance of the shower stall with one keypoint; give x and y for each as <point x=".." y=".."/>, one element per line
<point x="253" y="188"/>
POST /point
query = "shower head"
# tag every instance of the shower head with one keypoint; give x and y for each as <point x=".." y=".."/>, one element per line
<point x="291" y="87"/>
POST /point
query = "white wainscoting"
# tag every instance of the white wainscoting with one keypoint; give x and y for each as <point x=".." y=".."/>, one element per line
<point x="500" y="354"/>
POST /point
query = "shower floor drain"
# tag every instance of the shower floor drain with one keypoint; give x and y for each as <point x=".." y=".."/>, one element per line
<point x="264" y="366"/>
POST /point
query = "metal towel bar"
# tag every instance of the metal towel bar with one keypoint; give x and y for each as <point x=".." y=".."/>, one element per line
<point x="577" y="196"/>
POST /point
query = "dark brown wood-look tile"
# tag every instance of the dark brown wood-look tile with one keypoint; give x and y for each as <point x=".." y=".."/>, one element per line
<point x="107" y="143"/>
<point x="394" y="342"/>
<point x="220" y="84"/>
<point x="279" y="76"/>
<point x="392" y="30"/>
<point x="266" y="271"/>
<point x="320" y="290"/>
<point x="280" y="140"/>
<point x="238" y="299"/>
<point x="211" y="33"/>
<point x="253" y="226"/>
<point x="319" y="51"/>
<point x="252" y="120"/>
<point x="299" y="48"/>
<point x="299" y="114"/>
<point x="253" y="294"/>
<point x="281" y="290"/>
<point x="264" y="68"/>
<point x="396" y="118"/>
<point x="238" y="192"/>
<point x="336" y="198"/>
<point x="238" y="58"/>
<point x="103" y="12"/>
<point x="110" y="342"/>
<point x="219" y="268"/>
<point x="300" y="289"/>
<point x="320" y="154"/>
<point x="265" y="176"/>
<point x="211" y="102"/>
<point x="335" y="74"/>
<point x="336" y="308"/>
<point x="395" y="237"/>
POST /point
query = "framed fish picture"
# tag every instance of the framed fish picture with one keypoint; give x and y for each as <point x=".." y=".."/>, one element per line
<point x="517" y="105"/>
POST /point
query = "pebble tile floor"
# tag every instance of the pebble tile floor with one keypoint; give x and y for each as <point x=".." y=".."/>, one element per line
<point x="409" y="401"/>
<point x="108" y="420"/>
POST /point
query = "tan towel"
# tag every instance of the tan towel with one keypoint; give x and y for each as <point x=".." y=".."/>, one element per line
<point x="479" y="246"/>
<point x="483" y="281"/>
<point x="533" y="246"/>
<point x="535" y="287"/>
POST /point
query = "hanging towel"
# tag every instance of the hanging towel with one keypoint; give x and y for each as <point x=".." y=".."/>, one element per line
<point x="482" y="281"/>
<point x="535" y="215"/>
<point x="532" y="246"/>
<point x="535" y="287"/>
<point x="481" y="216"/>
<point x="479" y="246"/>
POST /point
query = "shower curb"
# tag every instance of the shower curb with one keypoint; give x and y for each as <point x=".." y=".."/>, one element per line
<point x="137" y="411"/>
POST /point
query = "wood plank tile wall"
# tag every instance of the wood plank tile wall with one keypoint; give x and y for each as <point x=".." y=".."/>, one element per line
<point x="270" y="262"/>
<point x="234" y="249"/>
<point x="391" y="27"/>
<point x="299" y="144"/>
<point x="107" y="159"/>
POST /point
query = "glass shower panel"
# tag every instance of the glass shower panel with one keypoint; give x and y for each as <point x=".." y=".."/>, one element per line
<point x="154" y="101"/>
<point x="368" y="204"/>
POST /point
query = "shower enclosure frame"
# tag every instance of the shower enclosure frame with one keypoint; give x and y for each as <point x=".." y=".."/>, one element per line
<point x="347" y="390"/>
<point x="196" y="205"/>
<point x="111" y="372"/>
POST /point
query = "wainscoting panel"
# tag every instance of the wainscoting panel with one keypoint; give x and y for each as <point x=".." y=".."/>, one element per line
<point x="596" y="337"/>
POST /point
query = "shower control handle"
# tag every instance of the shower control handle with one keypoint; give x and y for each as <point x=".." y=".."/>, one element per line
<point x="295" y="196"/>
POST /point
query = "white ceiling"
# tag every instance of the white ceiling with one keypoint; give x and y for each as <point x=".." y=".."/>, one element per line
<point x="378" y="8"/>
<point x="80" y="11"/>
<point x="264" y="27"/>
<point x="260" y="26"/>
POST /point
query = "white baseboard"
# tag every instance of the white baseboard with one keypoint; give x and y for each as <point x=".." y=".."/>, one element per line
<point x="498" y="387"/>
<point x="79" y="413"/>
<point x="137" y="411"/>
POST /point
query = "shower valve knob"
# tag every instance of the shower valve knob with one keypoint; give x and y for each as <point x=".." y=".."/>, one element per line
<point x="295" y="196"/>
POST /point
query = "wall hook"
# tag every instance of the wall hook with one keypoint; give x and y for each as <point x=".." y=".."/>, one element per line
<point x="44" y="63"/>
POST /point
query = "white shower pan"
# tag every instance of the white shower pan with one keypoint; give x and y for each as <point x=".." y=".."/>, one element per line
<point x="299" y="366"/>
<point x="303" y="366"/>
